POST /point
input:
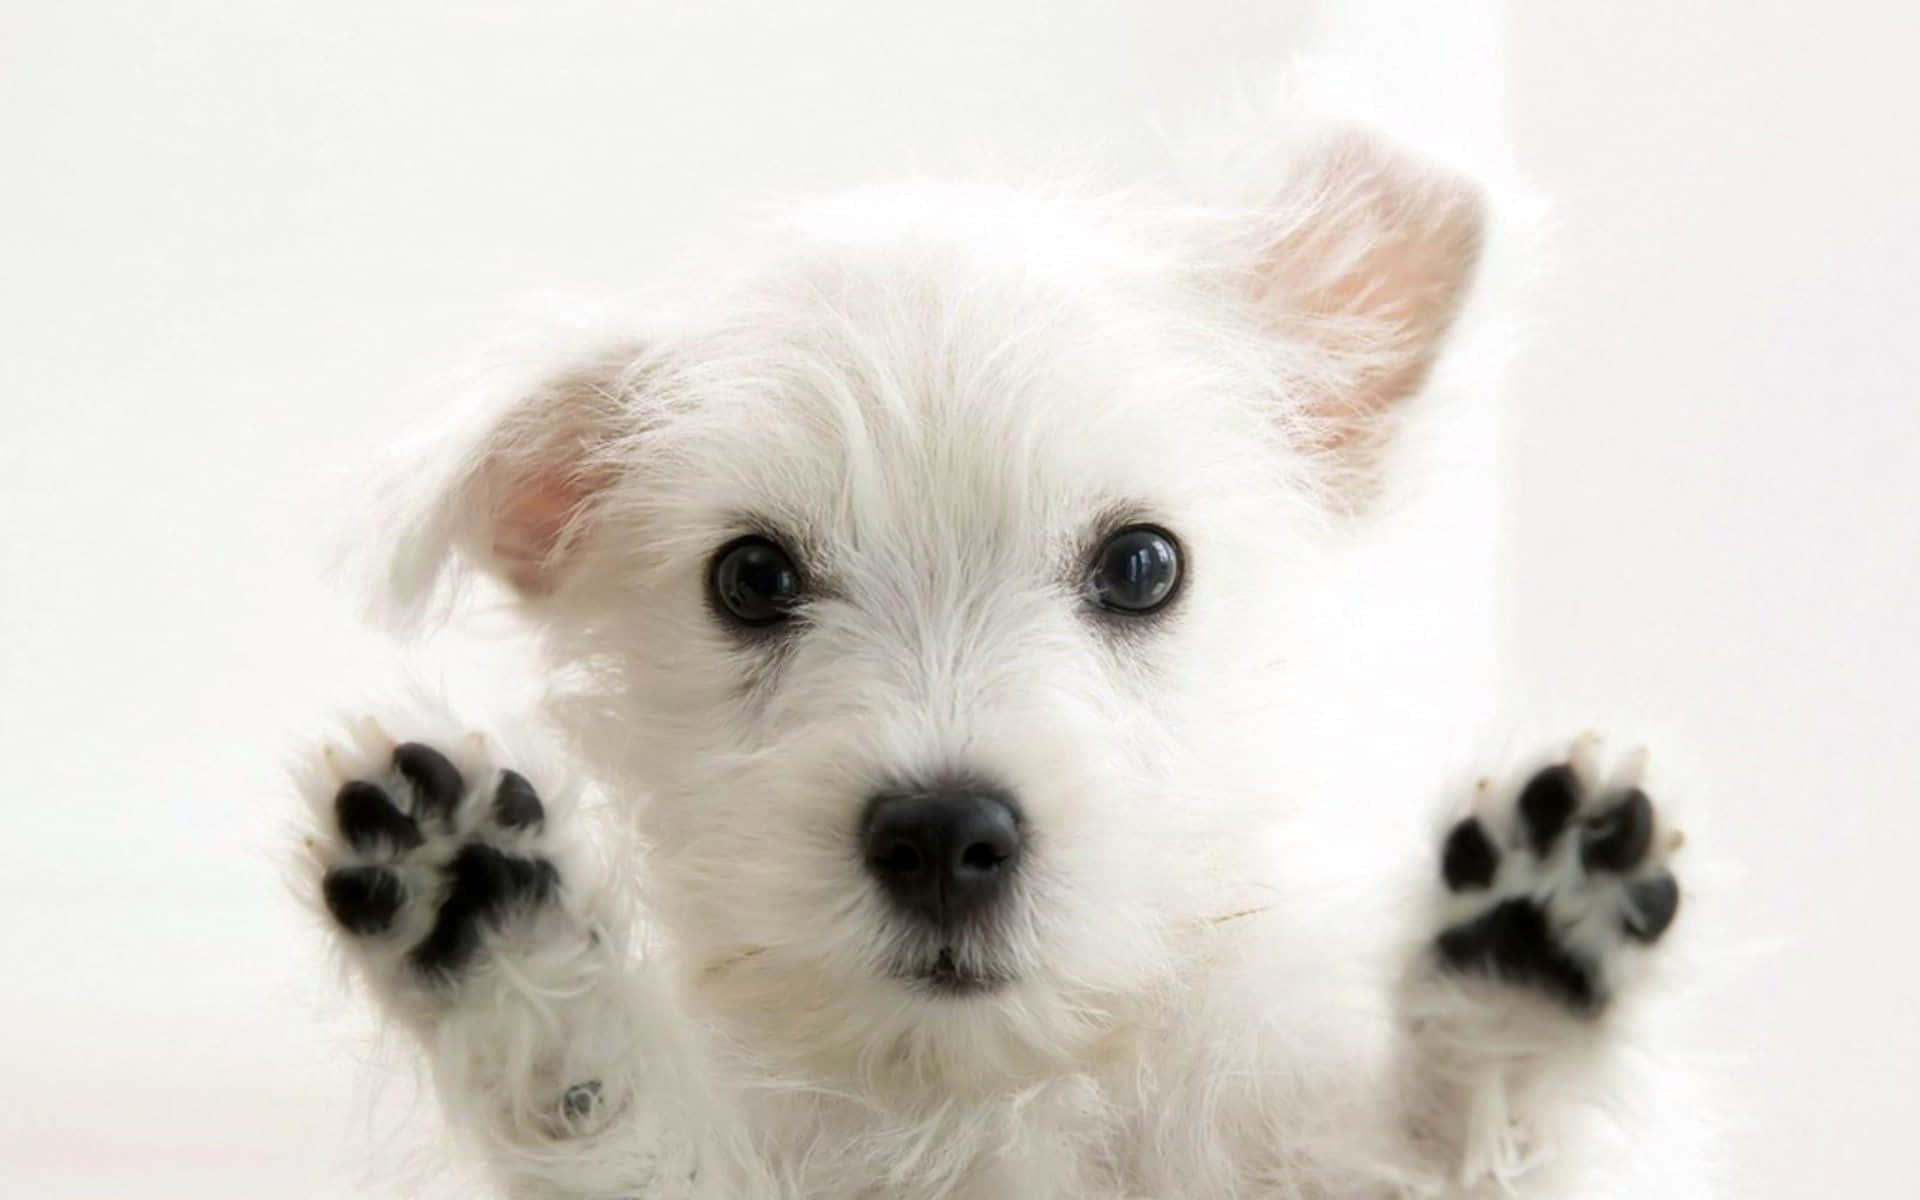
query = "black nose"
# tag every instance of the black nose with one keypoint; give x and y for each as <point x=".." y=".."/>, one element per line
<point x="945" y="852"/>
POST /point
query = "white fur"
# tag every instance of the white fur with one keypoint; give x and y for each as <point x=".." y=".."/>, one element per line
<point x="935" y="395"/>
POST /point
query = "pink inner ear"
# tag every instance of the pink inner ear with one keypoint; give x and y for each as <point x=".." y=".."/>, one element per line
<point x="537" y="517"/>
<point x="1374" y="272"/>
<point x="532" y="497"/>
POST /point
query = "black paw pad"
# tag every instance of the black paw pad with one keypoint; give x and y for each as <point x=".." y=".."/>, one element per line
<point x="1546" y="805"/>
<point x="367" y="818"/>
<point x="1618" y="838"/>
<point x="1651" y="906"/>
<point x="363" y="899"/>
<point x="437" y="785"/>
<point x="1513" y="942"/>
<point x="515" y="804"/>
<point x="484" y="885"/>
<point x="1469" y="860"/>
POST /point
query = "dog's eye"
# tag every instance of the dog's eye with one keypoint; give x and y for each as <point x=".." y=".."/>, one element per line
<point x="754" y="581"/>
<point x="1136" y="571"/>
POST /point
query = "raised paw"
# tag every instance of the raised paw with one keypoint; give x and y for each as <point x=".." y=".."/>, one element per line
<point x="423" y="861"/>
<point x="1549" y="890"/>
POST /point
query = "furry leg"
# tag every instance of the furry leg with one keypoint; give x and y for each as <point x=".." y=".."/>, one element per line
<point x="466" y="897"/>
<point x="1554" y="890"/>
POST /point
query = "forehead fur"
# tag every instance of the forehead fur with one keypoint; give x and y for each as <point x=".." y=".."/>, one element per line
<point x="933" y="356"/>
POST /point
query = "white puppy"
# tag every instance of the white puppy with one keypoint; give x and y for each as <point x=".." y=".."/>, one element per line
<point x="949" y="611"/>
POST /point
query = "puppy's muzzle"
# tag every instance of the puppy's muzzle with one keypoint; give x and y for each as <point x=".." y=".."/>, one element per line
<point x="945" y="853"/>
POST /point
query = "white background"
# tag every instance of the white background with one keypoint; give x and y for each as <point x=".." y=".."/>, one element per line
<point x="238" y="238"/>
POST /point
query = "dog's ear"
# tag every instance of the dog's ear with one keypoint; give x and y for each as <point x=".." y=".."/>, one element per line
<point x="1365" y="260"/>
<point x="524" y="495"/>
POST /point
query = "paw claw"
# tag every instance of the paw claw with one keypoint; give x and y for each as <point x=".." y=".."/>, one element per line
<point x="337" y="773"/>
<point x="372" y="733"/>
<point x="1584" y="754"/>
<point x="1632" y="770"/>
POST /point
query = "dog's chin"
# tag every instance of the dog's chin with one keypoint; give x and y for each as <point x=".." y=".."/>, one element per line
<point x="945" y="976"/>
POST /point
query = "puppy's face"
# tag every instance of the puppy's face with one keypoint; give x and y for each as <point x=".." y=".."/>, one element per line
<point x="927" y="588"/>
<point x="925" y="626"/>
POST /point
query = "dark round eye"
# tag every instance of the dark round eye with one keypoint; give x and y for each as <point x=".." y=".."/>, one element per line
<point x="1136" y="571"/>
<point x="754" y="581"/>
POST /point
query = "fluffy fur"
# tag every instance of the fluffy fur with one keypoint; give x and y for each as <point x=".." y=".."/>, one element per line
<point x="1221" y="973"/>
